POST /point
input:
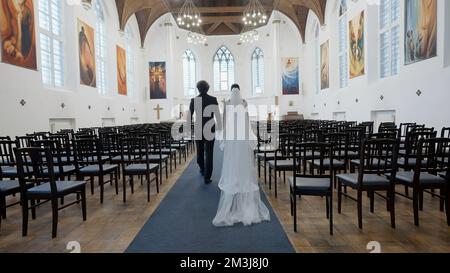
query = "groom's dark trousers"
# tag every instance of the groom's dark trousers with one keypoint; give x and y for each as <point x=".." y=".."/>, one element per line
<point x="205" y="150"/>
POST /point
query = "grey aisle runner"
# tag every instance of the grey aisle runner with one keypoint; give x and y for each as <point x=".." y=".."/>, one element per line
<point x="183" y="224"/>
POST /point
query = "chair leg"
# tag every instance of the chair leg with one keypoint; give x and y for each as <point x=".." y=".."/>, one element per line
<point x="416" y="206"/>
<point x="372" y="200"/>
<point x="328" y="207"/>
<point x="270" y="177"/>
<point x="54" y="217"/>
<point x="406" y="191"/>
<point x="391" y="197"/>
<point x="291" y="203"/>
<point x="132" y="184"/>
<point x="148" y="187"/>
<point x="3" y="206"/>
<point x="157" y="181"/>
<point x="275" y="184"/>
<point x="265" y="171"/>
<point x="359" y="201"/>
<point x="167" y="173"/>
<point x="295" y="213"/>
<point x="331" y="214"/>
<point x="83" y="204"/>
<point x="24" y="217"/>
<point x="339" y="188"/>
<point x="33" y="209"/>
<point x="447" y="205"/>
<point x="124" y="187"/>
<point x="102" y="187"/>
<point x="259" y="168"/>
<point x="92" y="185"/>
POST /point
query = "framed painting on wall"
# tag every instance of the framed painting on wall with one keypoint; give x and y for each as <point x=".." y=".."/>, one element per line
<point x="158" y="87"/>
<point x="290" y="76"/>
<point x="17" y="33"/>
<point x="420" y="30"/>
<point x="86" y="48"/>
<point x="324" y="66"/>
<point x="357" y="46"/>
<point x="121" y="71"/>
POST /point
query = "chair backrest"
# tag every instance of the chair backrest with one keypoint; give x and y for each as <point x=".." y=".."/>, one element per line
<point x="64" y="144"/>
<point x="135" y="150"/>
<point x="445" y="132"/>
<point x="355" y="138"/>
<point x="389" y="135"/>
<point x="5" y="138"/>
<point x="88" y="151"/>
<point x="413" y="139"/>
<point x="313" y="151"/>
<point x="24" y="141"/>
<point x="313" y="135"/>
<point x="433" y="155"/>
<point x="378" y="156"/>
<point x="339" y="142"/>
<point x="7" y="157"/>
<point x="35" y="165"/>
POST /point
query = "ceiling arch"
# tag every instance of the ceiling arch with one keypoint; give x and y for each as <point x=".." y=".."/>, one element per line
<point x="220" y="17"/>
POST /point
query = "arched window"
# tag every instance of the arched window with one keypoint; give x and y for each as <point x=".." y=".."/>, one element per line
<point x="223" y="70"/>
<point x="343" y="45"/>
<point x="51" y="40"/>
<point x="389" y="37"/>
<point x="257" y="71"/>
<point x="100" y="48"/>
<point x="130" y="63"/>
<point x="189" y="73"/>
<point x="317" y="58"/>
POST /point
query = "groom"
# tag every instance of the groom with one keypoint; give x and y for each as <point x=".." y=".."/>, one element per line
<point x="206" y="109"/>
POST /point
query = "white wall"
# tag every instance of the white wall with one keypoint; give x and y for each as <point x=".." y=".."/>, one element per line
<point x="45" y="103"/>
<point x="432" y="76"/>
<point x="166" y="42"/>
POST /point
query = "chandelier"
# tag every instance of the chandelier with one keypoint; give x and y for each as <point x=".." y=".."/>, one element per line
<point x="254" y="14"/>
<point x="249" y="35"/>
<point x="189" y="16"/>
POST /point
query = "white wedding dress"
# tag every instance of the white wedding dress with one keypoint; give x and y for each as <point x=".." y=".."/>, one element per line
<point x="240" y="200"/>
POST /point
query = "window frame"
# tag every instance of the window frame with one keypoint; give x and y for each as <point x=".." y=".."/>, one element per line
<point x="343" y="51"/>
<point x="258" y="57"/>
<point x="223" y="50"/>
<point x="101" y="47"/>
<point x="388" y="29"/>
<point x="53" y="38"/>
<point x="129" y="52"/>
<point x="317" y="57"/>
<point x="189" y="55"/>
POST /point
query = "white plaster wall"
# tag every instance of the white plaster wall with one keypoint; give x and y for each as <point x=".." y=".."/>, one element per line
<point x="432" y="76"/>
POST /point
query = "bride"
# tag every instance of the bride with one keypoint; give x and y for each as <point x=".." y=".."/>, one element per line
<point x="240" y="200"/>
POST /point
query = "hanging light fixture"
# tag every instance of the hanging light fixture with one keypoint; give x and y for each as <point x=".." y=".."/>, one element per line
<point x="249" y="35"/>
<point x="87" y="4"/>
<point x="196" y="36"/>
<point x="189" y="16"/>
<point x="254" y="14"/>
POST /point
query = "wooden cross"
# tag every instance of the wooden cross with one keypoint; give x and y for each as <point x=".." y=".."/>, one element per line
<point x="158" y="111"/>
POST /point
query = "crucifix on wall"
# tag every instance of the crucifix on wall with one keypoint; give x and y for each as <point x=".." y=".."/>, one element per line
<point x="158" y="111"/>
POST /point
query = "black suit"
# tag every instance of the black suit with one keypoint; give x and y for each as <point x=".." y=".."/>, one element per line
<point x="206" y="109"/>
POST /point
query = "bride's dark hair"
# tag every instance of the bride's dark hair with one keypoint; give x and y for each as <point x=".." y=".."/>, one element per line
<point x="235" y="86"/>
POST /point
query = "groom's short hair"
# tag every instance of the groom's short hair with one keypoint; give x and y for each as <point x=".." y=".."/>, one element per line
<point x="235" y="86"/>
<point x="203" y="87"/>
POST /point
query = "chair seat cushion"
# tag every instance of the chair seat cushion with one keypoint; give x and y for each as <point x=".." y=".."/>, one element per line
<point x="156" y="158"/>
<point x="95" y="169"/>
<point x="8" y="187"/>
<point x="425" y="178"/>
<point x="177" y="146"/>
<point x="63" y="187"/>
<point x="167" y="151"/>
<point x="374" y="180"/>
<point x="267" y="156"/>
<point x="411" y="162"/>
<point x="310" y="185"/>
<point x="141" y="168"/>
<point x="118" y="158"/>
<point x="66" y="170"/>
<point x="337" y="164"/>
<point x="353" y="154"/>
<point x="282" y="164"/>
<point x="374" y="162"/>
<point x="64" y="159"/>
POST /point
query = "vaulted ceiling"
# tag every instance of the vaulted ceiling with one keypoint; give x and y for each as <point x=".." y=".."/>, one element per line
<point x="220" y="17"/>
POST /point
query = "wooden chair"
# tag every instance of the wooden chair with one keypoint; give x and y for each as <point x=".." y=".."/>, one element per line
<point x="7" y="159"/>
<point x="47" y="188"/>
<point x="90" y="162"/>
<point x="136" y="150"/>
<point x="378" y="158"/>
<point x="315" y="182"/>
<point x="432" y="159"/>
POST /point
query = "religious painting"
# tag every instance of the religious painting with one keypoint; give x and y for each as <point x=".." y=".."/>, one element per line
<point x="290" y="76"/>
<point x="17" y="33"/>
<point x="324" y="66"/>
<point x="420" y="30"/>
<point x="357" y="47"/>
<point x="86" y="49"/>
<point x="121" y="71"/>
<point x="158" y="80"/>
